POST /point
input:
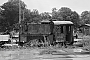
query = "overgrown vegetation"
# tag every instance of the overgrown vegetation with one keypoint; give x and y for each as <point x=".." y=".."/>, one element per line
<point x="9" y="15"/>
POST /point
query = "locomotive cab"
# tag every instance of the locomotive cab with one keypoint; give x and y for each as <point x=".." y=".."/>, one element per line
<point x="63" y="31"/>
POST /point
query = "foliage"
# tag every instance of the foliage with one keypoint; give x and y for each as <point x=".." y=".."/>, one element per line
<point x="85" y="17"/>
<point x="27" y="15"/>
<point x="35" y="16"/>
<point x="54" y="13"/>
<point x="1" y="20"/>
<point x="11" y="13"/>
<point x="45" y="16"/>
<point x="32" y="16"/>
<point x="65" y="14"/>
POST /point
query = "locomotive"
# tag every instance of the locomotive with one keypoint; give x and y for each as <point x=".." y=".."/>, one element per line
<point x="53" y="32"/>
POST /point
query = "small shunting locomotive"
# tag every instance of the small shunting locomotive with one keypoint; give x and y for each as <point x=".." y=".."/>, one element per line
<point x="51" y="32"/>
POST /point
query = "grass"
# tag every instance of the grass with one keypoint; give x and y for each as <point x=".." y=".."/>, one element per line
<point x="85" y="41"/>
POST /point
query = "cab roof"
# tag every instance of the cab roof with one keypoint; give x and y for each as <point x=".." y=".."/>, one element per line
<point x="62" y="22"/>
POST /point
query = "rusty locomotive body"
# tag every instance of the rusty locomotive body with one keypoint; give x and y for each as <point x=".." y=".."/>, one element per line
<point x="48" y="31"/>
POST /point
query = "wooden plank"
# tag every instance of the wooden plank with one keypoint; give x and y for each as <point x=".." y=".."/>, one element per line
<point x="4" y="37"/>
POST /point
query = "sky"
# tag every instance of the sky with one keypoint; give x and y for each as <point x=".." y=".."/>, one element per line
<point x="47" y="5"/>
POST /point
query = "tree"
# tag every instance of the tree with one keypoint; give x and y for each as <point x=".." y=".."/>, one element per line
<point x="85" y="17"/>
<point x="65" y="14"/>
<point x="54" y="13"/>
<point x="32" y="16"/>
<point x="45" y="16"/>
<point x="1" y="17"/>
<point x="11" y="12"/>
<point x="35" y="16"/>
<point x="27" y="15"/>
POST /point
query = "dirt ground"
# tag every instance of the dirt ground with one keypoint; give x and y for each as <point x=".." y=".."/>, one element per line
<point x="41" y="54"/>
